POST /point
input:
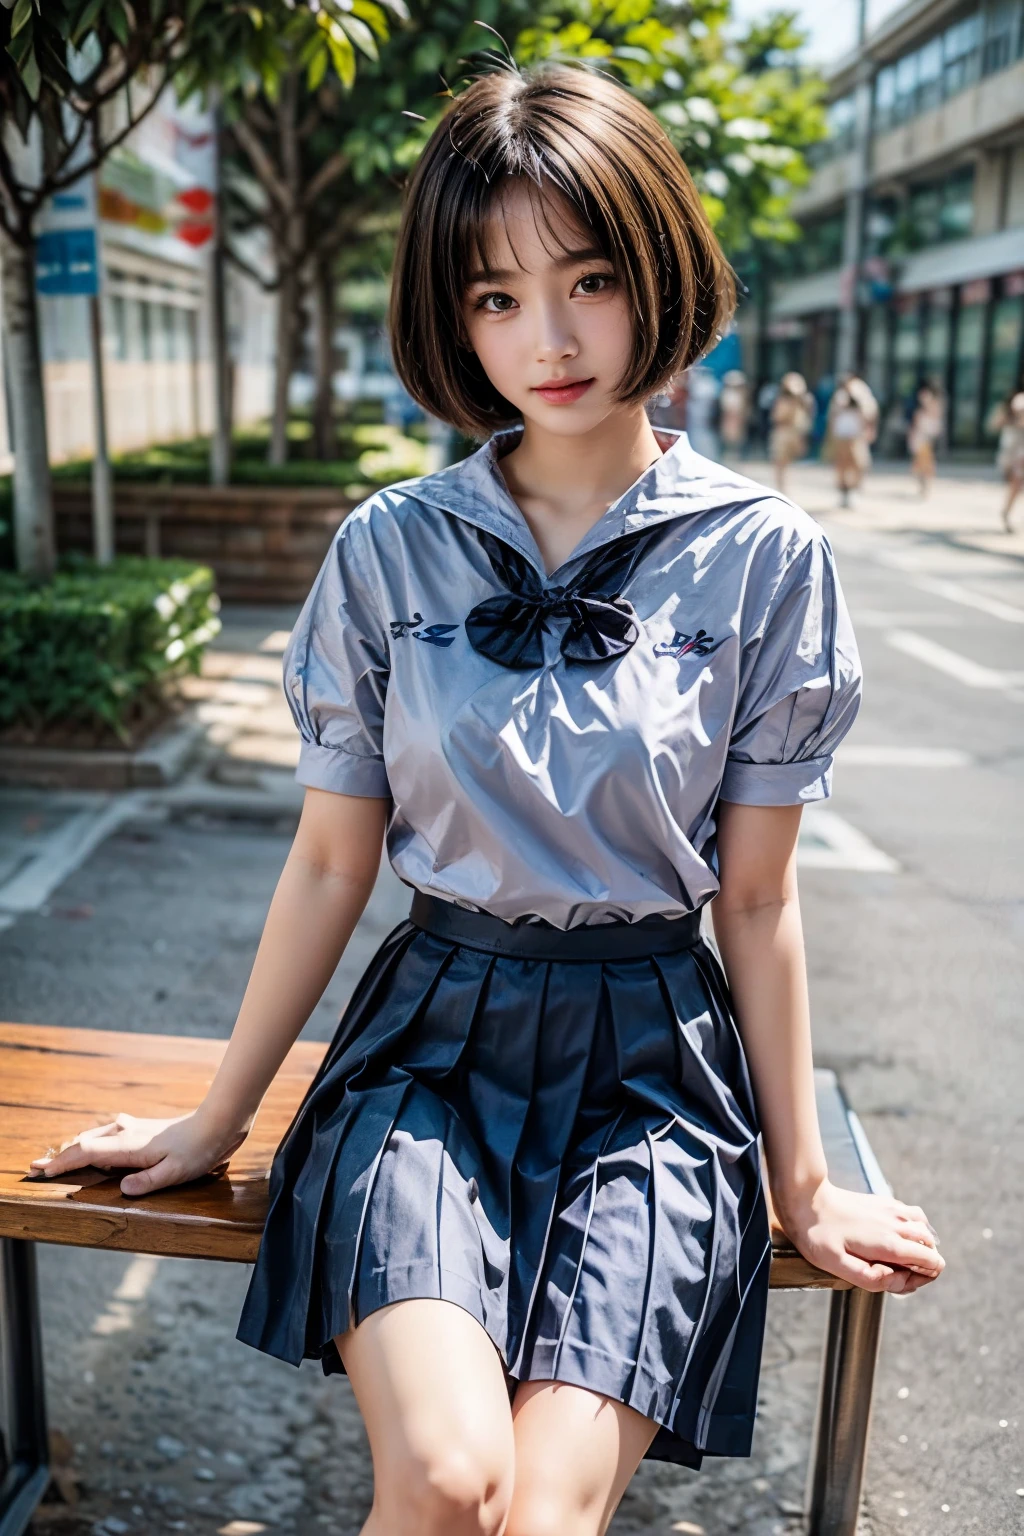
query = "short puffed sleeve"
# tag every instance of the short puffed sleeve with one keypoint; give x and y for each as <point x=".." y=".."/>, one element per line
<point x="336" y="672"/>
<point x="799" y="688"/>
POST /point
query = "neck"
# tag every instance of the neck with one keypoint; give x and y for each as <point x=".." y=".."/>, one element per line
<point x="589" y="469"/>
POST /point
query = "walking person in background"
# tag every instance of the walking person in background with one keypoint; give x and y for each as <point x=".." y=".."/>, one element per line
<point x="927" y="423"/>
<point x="733" y="413"/>
<point x="792" y="419"/>
<point x="852" y="428"/>
<point x="1008" y="420"/>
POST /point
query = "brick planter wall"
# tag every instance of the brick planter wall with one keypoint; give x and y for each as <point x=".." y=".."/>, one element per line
<point x="265" y="543"/>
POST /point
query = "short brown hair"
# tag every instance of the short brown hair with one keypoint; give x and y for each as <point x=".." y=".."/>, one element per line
<point x="580" y="134"/>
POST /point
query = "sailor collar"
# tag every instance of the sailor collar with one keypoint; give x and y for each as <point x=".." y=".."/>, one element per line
<point x="679" y="484"/>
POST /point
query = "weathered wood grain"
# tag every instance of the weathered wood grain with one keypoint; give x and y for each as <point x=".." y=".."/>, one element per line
<point x="56" y="1082"/>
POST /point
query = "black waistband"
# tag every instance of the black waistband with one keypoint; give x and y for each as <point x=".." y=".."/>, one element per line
<point x="654" y="935"/>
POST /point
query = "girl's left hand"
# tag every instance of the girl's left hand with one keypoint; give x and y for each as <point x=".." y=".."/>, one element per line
<point x="874" y="1241"/>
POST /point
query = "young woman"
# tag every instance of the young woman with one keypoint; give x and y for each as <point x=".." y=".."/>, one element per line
<point x="1008" y="420"/>
<point x="927" y="422"/>
<point x="792" y="417"/>
<point x="584" y="681"/>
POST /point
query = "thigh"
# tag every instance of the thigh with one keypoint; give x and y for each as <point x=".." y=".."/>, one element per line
<point x="575" y="1451"/>
<point x="431" y="1389"/>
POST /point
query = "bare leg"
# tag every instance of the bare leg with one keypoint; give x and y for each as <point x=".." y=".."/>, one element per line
<point x="431" y="1390"/>
<point x="780" y="475"/>
<point x="576" y="1452"/>
<point x="1013" y="490"/>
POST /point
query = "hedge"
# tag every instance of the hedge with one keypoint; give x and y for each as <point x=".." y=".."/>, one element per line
<point x="98" y="643"/>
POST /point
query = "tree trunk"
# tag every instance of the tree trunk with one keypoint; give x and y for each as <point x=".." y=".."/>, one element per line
<point x="284" y="362"/>
<point x="220" y="441"/>
<point x="34" y="541"/>
<point x="323" y="408"/>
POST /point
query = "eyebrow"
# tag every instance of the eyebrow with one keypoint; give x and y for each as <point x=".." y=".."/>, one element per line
<point x="508" y="274"/>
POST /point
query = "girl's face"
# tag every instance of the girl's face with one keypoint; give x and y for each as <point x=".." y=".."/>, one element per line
<point x="548" y="320"/>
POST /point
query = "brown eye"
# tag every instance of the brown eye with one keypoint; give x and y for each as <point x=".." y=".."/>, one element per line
<point x="593" y="282"/>
<point x="497" y="303"/>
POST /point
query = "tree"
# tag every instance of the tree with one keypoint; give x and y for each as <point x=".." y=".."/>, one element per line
<point x="736" y="102"/>
<point x="76" y="77"/>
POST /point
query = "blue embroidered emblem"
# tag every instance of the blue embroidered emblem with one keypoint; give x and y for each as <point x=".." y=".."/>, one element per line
<point x="700" y="644"/>
<point x="433" y="634"/>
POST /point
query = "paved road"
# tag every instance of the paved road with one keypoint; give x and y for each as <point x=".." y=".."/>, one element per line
<point x="912" y="890"/>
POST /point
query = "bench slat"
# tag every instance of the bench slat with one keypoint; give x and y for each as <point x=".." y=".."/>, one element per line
<point x="54" y="1082"/>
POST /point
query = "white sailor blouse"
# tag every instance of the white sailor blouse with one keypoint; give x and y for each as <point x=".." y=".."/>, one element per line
<point x="554" y="746"/>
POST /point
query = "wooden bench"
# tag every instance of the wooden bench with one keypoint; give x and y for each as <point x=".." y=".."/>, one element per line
<point x="54" y="1082"/>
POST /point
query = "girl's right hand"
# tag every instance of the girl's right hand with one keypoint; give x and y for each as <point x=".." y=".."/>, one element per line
<point x="163" y="1152"/>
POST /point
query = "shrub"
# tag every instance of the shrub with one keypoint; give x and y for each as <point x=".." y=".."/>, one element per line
<point x="100" y="645"/>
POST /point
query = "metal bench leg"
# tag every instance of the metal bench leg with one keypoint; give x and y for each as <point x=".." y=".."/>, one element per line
<point x="25" y="1466"/>
<point x="836" y="1469"/>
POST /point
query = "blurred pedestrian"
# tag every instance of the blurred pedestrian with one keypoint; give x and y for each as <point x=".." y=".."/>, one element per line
<point x="927" y="423"/>
<point x="1008" y="420"/>
<point x="733" y="412"/>
<point x="792" y="418"/>
<point x="848" y="446"/>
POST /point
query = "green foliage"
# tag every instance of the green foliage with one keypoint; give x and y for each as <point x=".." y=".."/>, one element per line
<point x="81" y="54"/>
<point x="737" y="103"/>
<point x="93" y="644"/>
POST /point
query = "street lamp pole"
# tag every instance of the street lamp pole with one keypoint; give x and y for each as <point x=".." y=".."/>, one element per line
<point x="848" y="338"/>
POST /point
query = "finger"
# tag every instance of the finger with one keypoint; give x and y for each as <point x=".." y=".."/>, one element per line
<point x="146" y="1180"/>
<point x="66" y="1161"/>
<point x="869" y="1277"/>
<point x="918" y="1232"/>
<point x="891" y="1249"/>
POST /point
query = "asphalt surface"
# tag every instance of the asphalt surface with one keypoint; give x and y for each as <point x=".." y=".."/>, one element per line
<point x="916" y="975"/>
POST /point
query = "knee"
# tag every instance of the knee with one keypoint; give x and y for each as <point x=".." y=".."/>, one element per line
<point x="541" y="1512"/>
<point x="449" y="1492"/>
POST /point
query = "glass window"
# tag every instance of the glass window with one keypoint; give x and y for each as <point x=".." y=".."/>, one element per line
<point x="970" y="338"/>
<point x="906" y="85"/>
<point x="929" y="75"/>
<point x="876" y="350"/>
<point x="961" y="49"/>
<point x="907" y="349"/>
<point x="956" y="216"/>
<point x="1004" y="357"/>
<point x="885" y="97"/>
<point x="936" y="338"/>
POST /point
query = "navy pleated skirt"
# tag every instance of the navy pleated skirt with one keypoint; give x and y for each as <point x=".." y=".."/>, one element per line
<point x="555" y="1131"/>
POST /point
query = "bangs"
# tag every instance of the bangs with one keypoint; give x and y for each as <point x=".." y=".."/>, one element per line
<point x="559" y="235"/>
<point x="586" y="148"/>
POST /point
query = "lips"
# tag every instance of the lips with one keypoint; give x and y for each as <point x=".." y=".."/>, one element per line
<point x="562" y="392"/>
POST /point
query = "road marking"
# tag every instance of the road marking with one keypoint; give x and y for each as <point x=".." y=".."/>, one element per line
<point x="950" y="662"/>
<point x="863" y="756"/>
<point x="61" y="853"/>
<point x="953" y="593"/>
<point x="827" y="841"/>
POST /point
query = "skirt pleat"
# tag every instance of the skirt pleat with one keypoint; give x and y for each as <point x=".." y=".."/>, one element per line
<point x="567" y="1150"/>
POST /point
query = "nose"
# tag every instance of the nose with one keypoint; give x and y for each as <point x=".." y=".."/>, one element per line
<point x="555" y="341"/>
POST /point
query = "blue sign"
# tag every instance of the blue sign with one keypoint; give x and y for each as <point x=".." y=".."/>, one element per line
<point x="66" y="262"/>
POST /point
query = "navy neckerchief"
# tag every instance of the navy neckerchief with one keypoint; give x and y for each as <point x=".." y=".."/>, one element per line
<point x="508" y="627"/>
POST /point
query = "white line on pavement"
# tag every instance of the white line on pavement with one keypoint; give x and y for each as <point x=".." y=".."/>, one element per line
<point x="827" y="841"/>
<point x="954" y="665"/>
<point x="61" y="853"/>
<point x="861" y="755"/>
<point x="954" y="593"/>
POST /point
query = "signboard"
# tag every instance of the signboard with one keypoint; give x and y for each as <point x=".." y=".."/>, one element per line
<point x="67" y="253"/>
<point x="66" y="262"/>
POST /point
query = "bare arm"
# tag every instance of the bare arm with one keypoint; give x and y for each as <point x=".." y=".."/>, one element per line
<point x="320" y="896"/>
<point x="876" y="1243"/>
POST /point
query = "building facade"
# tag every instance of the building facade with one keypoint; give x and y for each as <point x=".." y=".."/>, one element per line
<point x="911" y="262"/>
